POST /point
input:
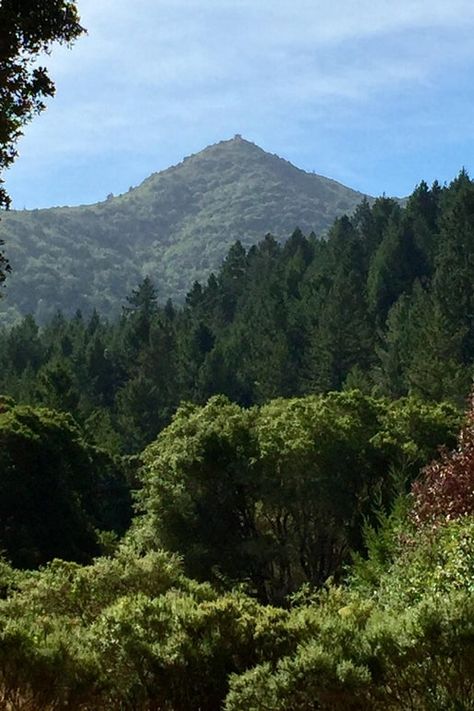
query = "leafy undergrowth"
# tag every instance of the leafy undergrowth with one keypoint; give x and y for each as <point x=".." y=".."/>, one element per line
<point x="133" y="632"/>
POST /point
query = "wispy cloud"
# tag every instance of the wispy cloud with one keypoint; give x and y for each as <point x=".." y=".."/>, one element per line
<point x="155" y="80"/>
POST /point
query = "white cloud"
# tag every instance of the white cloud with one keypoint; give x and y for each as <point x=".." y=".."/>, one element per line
<point x="162" y="72"/>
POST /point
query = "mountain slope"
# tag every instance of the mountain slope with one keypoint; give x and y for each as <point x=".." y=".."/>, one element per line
<point x="176" y="227"/>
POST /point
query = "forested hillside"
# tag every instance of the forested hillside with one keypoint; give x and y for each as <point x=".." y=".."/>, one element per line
<point x="176" y="226"/>
<point x="237" y="463"/>
<point x="257" y="499"/>
<point x="384" y="305"/>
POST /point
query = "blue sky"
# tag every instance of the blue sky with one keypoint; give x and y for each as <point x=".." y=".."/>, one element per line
<point x="375" y="94"/>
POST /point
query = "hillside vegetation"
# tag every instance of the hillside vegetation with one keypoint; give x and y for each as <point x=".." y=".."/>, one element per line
<point x="131" y="631"/>
<point x="259" y="497"/>
<point x="384" y="304"/>
<point x="177" y="226"/>
<point x="301" y="534"/>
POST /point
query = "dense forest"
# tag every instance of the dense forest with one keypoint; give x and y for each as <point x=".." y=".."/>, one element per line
<point x="260" y="499"/>
<point x="177" y="225"/>
<point x="384" y="304"/>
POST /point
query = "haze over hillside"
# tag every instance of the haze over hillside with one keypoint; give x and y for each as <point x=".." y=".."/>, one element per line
<point x="175" y="227"/>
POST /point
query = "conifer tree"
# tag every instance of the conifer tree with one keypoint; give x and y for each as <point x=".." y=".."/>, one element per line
<point x="434" y="365"/>
<point x="394" y="267"/>
<point x="423" y="212"/>
<point x="232" y="280"/>
<point x="453" y="292"/>
<point x="342" y="337"/>
<point x="138" y="316"/>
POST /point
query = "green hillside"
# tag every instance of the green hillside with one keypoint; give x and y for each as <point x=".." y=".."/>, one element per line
<point x="176" y="226"/>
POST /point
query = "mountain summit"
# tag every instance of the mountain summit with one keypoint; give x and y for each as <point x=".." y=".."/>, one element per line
<point x="176" y="227"/>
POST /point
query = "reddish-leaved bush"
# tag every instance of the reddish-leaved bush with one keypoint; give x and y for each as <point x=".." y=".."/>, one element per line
<point x="445" y="489"/>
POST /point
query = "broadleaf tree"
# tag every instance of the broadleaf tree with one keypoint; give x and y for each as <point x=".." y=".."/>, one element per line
<point x="28" y="29"/>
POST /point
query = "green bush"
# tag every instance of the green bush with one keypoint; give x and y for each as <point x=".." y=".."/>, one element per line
<point x="54" y="488"/>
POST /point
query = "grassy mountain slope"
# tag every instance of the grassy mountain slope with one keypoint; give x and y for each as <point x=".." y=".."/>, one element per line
<point x="176" y="227"/>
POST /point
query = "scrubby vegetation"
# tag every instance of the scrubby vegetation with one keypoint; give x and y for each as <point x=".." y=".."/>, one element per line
<point x="131" y="631"/>
<point x="177" y="225"/>
<point x="302" y="530"/>
<point x="255" y="501"/>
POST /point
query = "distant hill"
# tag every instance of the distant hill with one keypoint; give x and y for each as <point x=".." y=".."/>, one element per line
<point x="175" y="227"/>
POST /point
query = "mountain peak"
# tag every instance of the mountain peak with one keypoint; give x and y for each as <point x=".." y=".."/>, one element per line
<point x="250" y="156"/>
<point x="236" y="143"/>
<point x="237" y="139"/>
<point x="176" y="226"/>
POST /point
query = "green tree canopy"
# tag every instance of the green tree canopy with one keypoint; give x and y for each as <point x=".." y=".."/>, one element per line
<point x="55" y="490"/>
<point x="276" y="495"/>
<point x="27" y="29"/>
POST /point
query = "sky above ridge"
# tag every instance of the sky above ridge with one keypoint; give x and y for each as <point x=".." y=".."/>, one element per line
<point x="376" y="94"/>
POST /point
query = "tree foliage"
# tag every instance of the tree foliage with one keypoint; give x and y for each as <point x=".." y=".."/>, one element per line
<point x="133" y="632"/>
<point x="27" y="31"/>
<point x="382" y="305"/>
<point x="276" y="496"/>
<point x="130" y="630"/>
<point x="445" y="490"/>
<point x="270" y="486"/>
<point x="177" y="226"/>
<point x="55" y="489"/>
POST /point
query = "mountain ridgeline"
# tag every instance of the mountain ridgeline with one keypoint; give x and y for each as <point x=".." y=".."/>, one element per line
<point x="384" y="304"/>
<point x="177" y="226"/>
